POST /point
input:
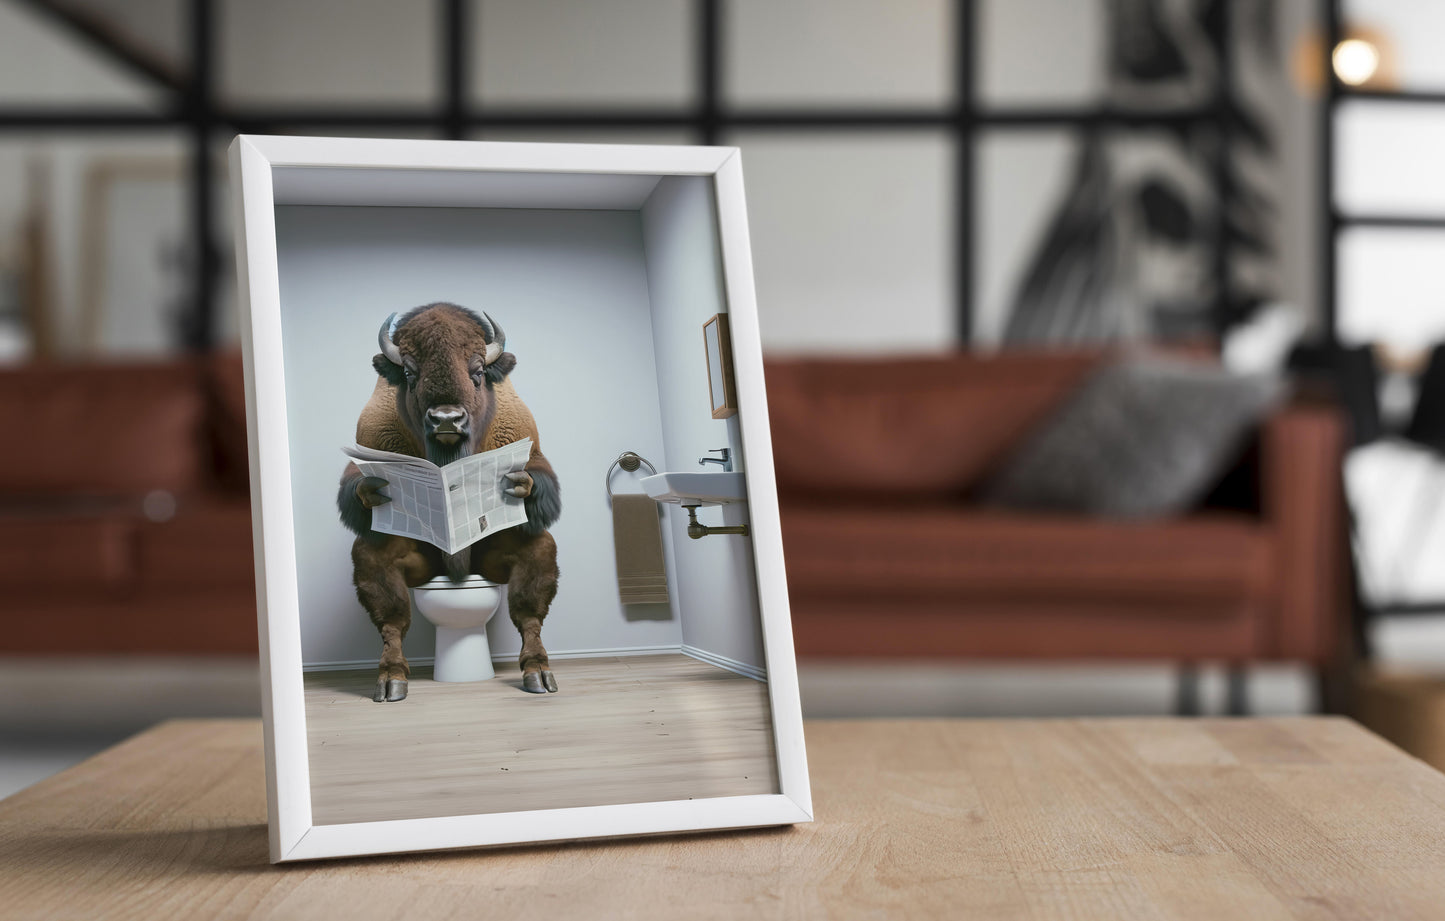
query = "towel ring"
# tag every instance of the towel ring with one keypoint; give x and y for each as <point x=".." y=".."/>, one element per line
<point x="629" y="461"/>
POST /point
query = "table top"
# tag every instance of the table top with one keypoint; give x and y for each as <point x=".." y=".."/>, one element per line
<point x="1156" y="818"/>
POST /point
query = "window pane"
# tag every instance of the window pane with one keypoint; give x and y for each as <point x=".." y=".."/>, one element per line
<point x="563" y="53"/>
<point x="852" y="238"/>
<point x="1408" y="33"/>
<point x="41" y="64"/>
<point x="838" y="52"/>
<point x="1041" y="52"/>
<point x="1390" y="158"/>
<point x="1391" y="287"/>
<point x="376" y="52"/>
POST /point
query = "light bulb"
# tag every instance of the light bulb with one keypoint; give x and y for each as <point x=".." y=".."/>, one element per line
<point x="1355" y="61"/>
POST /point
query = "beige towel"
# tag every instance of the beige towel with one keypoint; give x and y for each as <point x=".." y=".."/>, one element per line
<point x="641" y="572"/>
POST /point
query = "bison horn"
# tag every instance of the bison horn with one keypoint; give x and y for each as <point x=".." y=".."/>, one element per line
<point x="496" y="336"/>
<point x="383" y="339"/>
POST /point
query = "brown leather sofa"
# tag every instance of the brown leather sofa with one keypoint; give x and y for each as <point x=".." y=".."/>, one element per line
<point x="888" y="554"/>
<point x="124" y="520"/>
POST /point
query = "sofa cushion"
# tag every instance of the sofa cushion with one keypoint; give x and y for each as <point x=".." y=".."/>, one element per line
<point x="100" y="428"/>
<point x="1144" y="437"/>
<point x="892" y="554"/>
<point x="207" y="544"/>
<point x="908" y="427"/>
<point x="84" y="545"/>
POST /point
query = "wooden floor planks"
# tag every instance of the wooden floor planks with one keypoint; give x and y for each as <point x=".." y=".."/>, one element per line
<point x="620" y="730"/>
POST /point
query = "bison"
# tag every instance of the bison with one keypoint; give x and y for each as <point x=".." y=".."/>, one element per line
<point x="442" y="392"/>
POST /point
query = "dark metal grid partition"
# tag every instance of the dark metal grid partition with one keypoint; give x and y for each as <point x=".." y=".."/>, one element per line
<point x="193" y="107"/>
<point x="1334" y="220"/>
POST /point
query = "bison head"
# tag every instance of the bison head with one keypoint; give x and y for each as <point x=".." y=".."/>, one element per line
<point x="444" y="361"/>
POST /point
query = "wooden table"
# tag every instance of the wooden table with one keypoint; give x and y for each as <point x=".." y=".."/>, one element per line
<point x="1232" y="819"/>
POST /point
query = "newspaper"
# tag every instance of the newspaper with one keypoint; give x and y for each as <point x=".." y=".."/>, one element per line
<point x="451" y="507"/>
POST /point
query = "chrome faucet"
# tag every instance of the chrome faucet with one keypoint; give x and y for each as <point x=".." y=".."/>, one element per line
<point x="726" y="461"/>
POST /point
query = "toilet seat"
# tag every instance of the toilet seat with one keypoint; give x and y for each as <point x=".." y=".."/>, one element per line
<point x="443" y="583"/>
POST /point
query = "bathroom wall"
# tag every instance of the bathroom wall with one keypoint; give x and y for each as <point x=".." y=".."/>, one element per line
<point x="712" y="579"/>
<point x="571" y="290"/>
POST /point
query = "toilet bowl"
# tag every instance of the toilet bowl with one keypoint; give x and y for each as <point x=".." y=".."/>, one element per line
<point x="460" y="611"/>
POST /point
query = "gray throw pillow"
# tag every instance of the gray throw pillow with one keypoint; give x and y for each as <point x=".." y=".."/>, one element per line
<point x="1144" y="437"/>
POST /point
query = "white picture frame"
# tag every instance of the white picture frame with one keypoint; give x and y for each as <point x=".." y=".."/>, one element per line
<point x="271" y="171"/>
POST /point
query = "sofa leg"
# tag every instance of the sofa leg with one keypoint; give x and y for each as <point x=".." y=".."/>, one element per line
<point x="1333" y="689"/>
<point x="1236" y="691"/>
<point x="1186" y="701"/>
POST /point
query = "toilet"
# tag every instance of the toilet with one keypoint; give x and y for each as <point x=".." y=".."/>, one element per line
<point x="460" y="611"/>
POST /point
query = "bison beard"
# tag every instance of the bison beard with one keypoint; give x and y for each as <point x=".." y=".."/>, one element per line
<point x="443" y="392"/>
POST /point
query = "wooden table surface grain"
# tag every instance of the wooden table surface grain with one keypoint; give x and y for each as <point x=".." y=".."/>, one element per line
<point x="1149" y="818"/>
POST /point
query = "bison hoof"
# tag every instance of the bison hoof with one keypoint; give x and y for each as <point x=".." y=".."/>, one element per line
<point x="538" y="682"/>
<point x="390" y="690"/>
<point x="369" y="491"/>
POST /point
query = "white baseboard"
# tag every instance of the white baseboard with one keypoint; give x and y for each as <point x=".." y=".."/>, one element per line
<point x="598" y="653"/>
<point x="732" y="665"/>
<point x="348" y="665"/>
<point x="702" y="655"/>
<point x="358" y="664"/>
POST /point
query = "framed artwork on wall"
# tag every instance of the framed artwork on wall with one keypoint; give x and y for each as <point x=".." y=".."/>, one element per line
<point x="722" y="392"/>
<point x="466" y="639"/>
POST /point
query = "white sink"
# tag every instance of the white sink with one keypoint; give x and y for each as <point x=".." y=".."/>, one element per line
<point x="716" y="488"/>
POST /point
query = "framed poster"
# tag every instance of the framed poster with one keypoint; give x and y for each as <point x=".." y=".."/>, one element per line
<point x="466" y="638"/>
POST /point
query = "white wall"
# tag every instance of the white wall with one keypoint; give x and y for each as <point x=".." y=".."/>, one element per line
<point x="570" y="289"/>
<point x="712" y="579"/>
